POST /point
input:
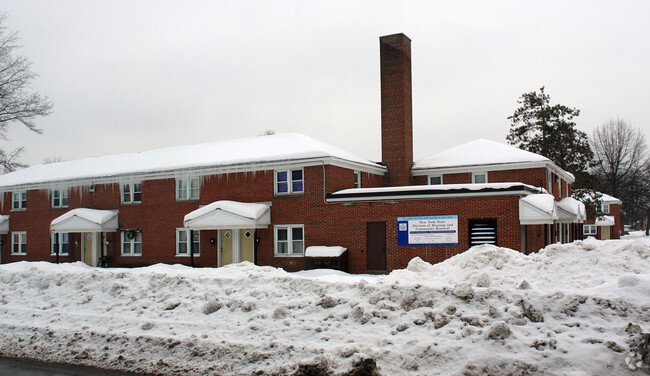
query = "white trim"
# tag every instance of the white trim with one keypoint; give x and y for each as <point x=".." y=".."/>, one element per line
<point x="22" y="241"/>
<point x="289" y="182"/>
<point x="356" y="179"/>
<point x="132" y="243"/>
<point x="22" y="203"/>
<point x="61" y="235"/>
<point x="289" y="241"/>
<point x="479" y="173"/>
<point x="187" y="241"/>
<point x="431" y="177"/>
<point x="62" y="197"/>
<point x="187" y="189"/>
<point x="590" y="226"/>
<point x="131" y="193"/>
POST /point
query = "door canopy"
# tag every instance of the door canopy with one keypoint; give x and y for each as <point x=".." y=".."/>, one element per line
<point x="571" y="210"/>
<point x="86" y="220"/>
<point x="537" y="209"/>
<point x="225" y="214"/>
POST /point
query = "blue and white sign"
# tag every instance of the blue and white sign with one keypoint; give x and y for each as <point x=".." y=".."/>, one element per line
<point x="432" y="230"/>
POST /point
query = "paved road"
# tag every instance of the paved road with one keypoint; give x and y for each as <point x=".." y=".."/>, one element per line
<point x="30" y="368"/>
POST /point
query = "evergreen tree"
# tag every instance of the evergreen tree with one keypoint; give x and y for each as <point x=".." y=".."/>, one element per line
<point x="549" y="130"/>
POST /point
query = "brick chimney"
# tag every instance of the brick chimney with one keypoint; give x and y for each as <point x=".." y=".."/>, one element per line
<point x="396" y="108"/>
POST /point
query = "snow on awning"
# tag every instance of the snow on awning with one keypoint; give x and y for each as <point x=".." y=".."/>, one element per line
<point x="537" y="209"/>
<point x="323" y="251"/>
<point x="86" y="220"/>
<point x="4" y="224"/>
<point x="229" y="215"/>
<point x="605" y="220"/>
<point x="570" y="210"/>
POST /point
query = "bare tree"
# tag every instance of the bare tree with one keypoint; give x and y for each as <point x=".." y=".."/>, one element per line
<point x="623" y="165"/>
<point x="18" y="102"/>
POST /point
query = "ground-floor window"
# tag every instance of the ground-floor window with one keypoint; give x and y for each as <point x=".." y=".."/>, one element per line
<point x="589" y="229"/>
<point x="482" y="231"/>
<point x="289" y="240"/>
<point x="60" y="243"/>
<point x="19" y="243"/>
<point x="131" y="243"/>
<point x="183" y="242"/>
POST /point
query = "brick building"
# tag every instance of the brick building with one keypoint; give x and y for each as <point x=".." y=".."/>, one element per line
<point x="267" y="199"/>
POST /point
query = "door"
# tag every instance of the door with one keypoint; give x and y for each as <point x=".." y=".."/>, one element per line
<point x="88" y="248"/>
<point x="376" y="247"/>
<point x="247" y="245"/>
<point x="226" y="247"/>
<point x="604" y="233"/>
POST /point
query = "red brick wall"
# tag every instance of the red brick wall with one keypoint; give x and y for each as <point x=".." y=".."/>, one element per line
<point x="533" y="176"/>
<point x="459" y="178"/>
<point x="396" y="108"/>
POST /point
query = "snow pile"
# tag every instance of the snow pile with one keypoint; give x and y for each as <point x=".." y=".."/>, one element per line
<point x="578" y="309"/>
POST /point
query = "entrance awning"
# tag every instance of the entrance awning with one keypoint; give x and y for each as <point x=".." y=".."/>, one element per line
<point x="86" y="220"/>
<point x="4" y="224"/>
<point x="605" y="221"/>
<point x="537" y="209"/>
<point x="570" y="210"/>
<point x="225" y="214"/>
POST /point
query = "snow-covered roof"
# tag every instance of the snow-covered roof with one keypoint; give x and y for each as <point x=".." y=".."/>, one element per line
<point x="245" y="154"/>
<point x="431" y="191"/>
<point x="228" y="214"/>
<point x="605" y="220"/>
<point x="85" y="220"/>
<point x="482" y="153"/>
<point x="609" y="199"/>
<point x="537" y="209"/>
<point x="323" y="251"/>
<point x="571" y="209"/>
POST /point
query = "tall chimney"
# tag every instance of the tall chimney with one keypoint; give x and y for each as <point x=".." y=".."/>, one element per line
<point x="396" y="108"/>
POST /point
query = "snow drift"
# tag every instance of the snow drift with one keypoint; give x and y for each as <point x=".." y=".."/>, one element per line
<point x="576" y="309"/>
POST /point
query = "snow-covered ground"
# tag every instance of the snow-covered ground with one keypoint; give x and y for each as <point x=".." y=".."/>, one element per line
<point x="574" y="309"/>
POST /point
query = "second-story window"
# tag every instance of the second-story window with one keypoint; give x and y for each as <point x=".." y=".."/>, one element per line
<point x="479" y="177"/>
<point x="289" y="181"/>
<point x="19" y="200"/>
<point x="132" y="193"/>
<point x="59" y="198"/>
<point x="357" y="179"/>
<point x="435" y="180"/>
<point x="187" y="188"/>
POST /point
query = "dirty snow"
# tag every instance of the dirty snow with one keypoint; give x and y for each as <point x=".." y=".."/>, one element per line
<point x="574" y="309"/>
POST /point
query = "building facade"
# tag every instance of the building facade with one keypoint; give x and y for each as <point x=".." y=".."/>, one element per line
<point x="267" y="199"/>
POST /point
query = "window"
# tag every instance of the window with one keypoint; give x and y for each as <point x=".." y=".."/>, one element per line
<point x="289" y="181"/>
<point x="183" y="243"/>
<point x="479" y="177"/>
<point x="187" y="189"/>
<point x="604" y="208"/>
<point x="435" y="180"/>
<point x="289" y="240"/>
<point x="357" y="179"/>
<point x="589" y="229"/>
<point x="19" y="243"/>
<point x="131" y="243"/>
<point x="19" y="200"/>
<point x="61" y="243"/>
<point x="59" y="198"/>
<point x="132" y="193"/>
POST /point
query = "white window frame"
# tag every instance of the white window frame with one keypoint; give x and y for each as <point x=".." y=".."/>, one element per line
<point x="124" y="239"/>
<point x="18" y="200"/>
<point x="129" y="197"/>
<point x="479" y="173"/>
<point x="64" y="244"/>
<point x="21" y="242"/>
<point x="289" y="182"/>
<point x="184" y="232"/>
<point x="431" y="177"/>
<point x="587" y="229"/>
<point x="604" y="207"/>
<point x="356" y="182"/>
<point x="185" y="189"/>
<point x="62" y="196"/>
<point x="290" y="242"/>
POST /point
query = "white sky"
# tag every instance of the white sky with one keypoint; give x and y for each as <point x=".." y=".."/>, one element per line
<point x="136" y="75"/>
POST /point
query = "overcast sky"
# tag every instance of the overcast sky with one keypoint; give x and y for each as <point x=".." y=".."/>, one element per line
<point x="137" y="75"/>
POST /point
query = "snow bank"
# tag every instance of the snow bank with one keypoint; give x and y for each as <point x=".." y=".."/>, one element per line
<point x="574" y="309"/>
